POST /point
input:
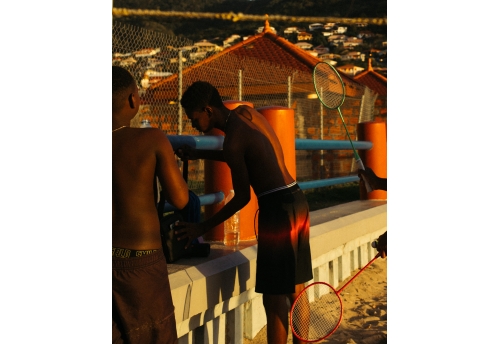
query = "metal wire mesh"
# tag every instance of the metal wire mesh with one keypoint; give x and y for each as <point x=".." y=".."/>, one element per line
<point x="328" y="85"/>
<point x="316" y="313"/>
<point x="164" y="66"/>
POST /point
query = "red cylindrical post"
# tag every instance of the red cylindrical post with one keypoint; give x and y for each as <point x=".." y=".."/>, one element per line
<point x="376" y="157"/>
<point x="282" y="120"/>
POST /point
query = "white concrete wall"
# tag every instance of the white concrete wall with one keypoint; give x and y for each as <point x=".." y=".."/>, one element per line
<point x="216" y="300"/>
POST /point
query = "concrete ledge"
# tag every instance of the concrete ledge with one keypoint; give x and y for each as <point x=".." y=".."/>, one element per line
<point x="353" y="228"/>
<point x="215" y="300"/>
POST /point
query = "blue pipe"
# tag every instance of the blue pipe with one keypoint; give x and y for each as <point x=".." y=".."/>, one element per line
<point x="215" y="143"/>
<point x="312" y="184"/>
<point x="212" y="198"/>
<point x="199" y="142"/>
<point x="302" y="144"/>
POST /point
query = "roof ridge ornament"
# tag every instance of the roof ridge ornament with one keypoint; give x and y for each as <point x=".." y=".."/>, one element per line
<point x="267" y="27"/>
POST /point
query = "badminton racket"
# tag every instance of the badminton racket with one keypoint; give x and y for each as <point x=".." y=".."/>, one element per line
<point x="331" y="92"/>
<point x="317" y="312"/>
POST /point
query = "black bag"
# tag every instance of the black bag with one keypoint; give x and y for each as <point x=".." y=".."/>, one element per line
<point x="172" y="248"/>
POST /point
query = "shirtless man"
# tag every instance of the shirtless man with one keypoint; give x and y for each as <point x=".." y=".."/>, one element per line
<point x="143" y="311"/>
<point x="253" y="153"/>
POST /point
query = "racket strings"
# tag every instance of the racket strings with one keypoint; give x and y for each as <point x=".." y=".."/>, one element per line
<point x="316" y="313"/>
<point x="328" y="85"/>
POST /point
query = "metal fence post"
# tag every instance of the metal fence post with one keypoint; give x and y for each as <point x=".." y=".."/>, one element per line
<point x="321" y="152"/>
<point x="180" y="93"/>
<point x="289" y="91"/>
<point x="240" y="85"/>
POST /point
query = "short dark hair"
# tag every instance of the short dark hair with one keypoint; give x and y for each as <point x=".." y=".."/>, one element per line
<point x="122" y="82"/>
<point x="199" y="95"/>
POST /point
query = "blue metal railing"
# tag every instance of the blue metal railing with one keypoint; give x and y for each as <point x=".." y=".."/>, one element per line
<point x="303" y="144"/>
<point x="198" y="142"/>
<point x="215" y="143"/>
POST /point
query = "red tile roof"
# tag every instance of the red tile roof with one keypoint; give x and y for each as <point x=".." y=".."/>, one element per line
<point x="276" y="50"/>
<point x="373" y="80"/>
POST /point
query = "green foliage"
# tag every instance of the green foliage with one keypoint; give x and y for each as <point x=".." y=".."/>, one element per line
<point x="319" y="39"/>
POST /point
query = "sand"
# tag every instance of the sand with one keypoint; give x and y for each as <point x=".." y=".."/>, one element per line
<point x="365" y="310"/>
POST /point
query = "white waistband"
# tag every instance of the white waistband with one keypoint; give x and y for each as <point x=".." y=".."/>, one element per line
<point x="277" y="189"/>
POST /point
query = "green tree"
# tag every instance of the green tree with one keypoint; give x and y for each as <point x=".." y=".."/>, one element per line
<point x="318" y="39"/>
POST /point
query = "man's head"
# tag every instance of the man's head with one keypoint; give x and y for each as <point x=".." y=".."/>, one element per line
<point x="125" y="91"/>
<point x="200" y="101"/>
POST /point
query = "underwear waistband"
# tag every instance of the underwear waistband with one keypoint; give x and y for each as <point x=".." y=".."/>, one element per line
<point x="139" y="262"/>
<point x="277" y="189"/>
<point x="119" y="252"/>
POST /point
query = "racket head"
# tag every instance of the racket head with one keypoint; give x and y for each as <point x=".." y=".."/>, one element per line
<point x="328" y="85"/>
<point x="316" y="313"/>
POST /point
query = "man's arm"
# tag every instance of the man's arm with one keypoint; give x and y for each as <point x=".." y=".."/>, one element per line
<point x="189" y="153"/>
<point x="172" y="183"/>
<point x="241" y="185"/>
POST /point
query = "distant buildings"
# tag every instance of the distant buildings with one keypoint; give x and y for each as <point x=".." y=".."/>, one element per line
<point x="155" y="63"/>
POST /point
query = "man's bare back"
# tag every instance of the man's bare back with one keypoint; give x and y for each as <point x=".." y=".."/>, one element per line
<point x="137" y="155"/>
<point x="250" y="137"/>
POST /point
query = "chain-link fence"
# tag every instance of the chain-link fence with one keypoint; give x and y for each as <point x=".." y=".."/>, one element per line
<point x="164" y="66"/>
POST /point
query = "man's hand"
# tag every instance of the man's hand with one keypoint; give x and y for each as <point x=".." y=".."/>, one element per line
<point x="375" y="182"/>
<point x="382" y="245"/>
<point x="188" y="230"/>
<point x="186" y="152"/>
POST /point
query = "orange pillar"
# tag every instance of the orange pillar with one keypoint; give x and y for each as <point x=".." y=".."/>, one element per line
<point x="376" y="157"/>
<point x="218" y="178"/>
<point x="282" y="120"/>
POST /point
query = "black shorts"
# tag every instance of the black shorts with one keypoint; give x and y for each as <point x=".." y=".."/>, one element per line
<point x="143" y="311"/>
<point x="283" y="252"/>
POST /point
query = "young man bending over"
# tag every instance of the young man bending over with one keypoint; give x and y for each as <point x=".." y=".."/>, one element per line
<point x="253" y="153"/>
<point x="143" y="311"/>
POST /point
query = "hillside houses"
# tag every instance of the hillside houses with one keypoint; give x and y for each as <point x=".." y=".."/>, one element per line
<point x="339" y="29"/>
<point x="146" y="52"/>
<point x="292" y="29"/>
<point x="304" y="36"/>
<point x="352" y="42"/>
<point x="261" y="28"/>
<point x="329" y="26"/>
<point x="231" y="40"/>
<point x="321" y="50"/>
<point x="338" y="48"/>
<point x="350" y="69"/>
<point x="337" y="39"/>
<point x="352" y="55"/>
<point x="316" y="26"/>
<point x="304" y="45"/>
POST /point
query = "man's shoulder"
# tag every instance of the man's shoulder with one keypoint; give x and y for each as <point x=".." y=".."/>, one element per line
<point x="149" y="134"/>
<point x="143" y="136"/>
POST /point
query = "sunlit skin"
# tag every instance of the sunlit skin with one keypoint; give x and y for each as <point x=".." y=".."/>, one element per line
<point x="252" y="152"/>
<point x="139" y="154"/>
<point x="255" y="157"/>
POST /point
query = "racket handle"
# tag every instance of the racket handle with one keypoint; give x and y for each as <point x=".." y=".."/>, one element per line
<point x="362" y="167"/>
